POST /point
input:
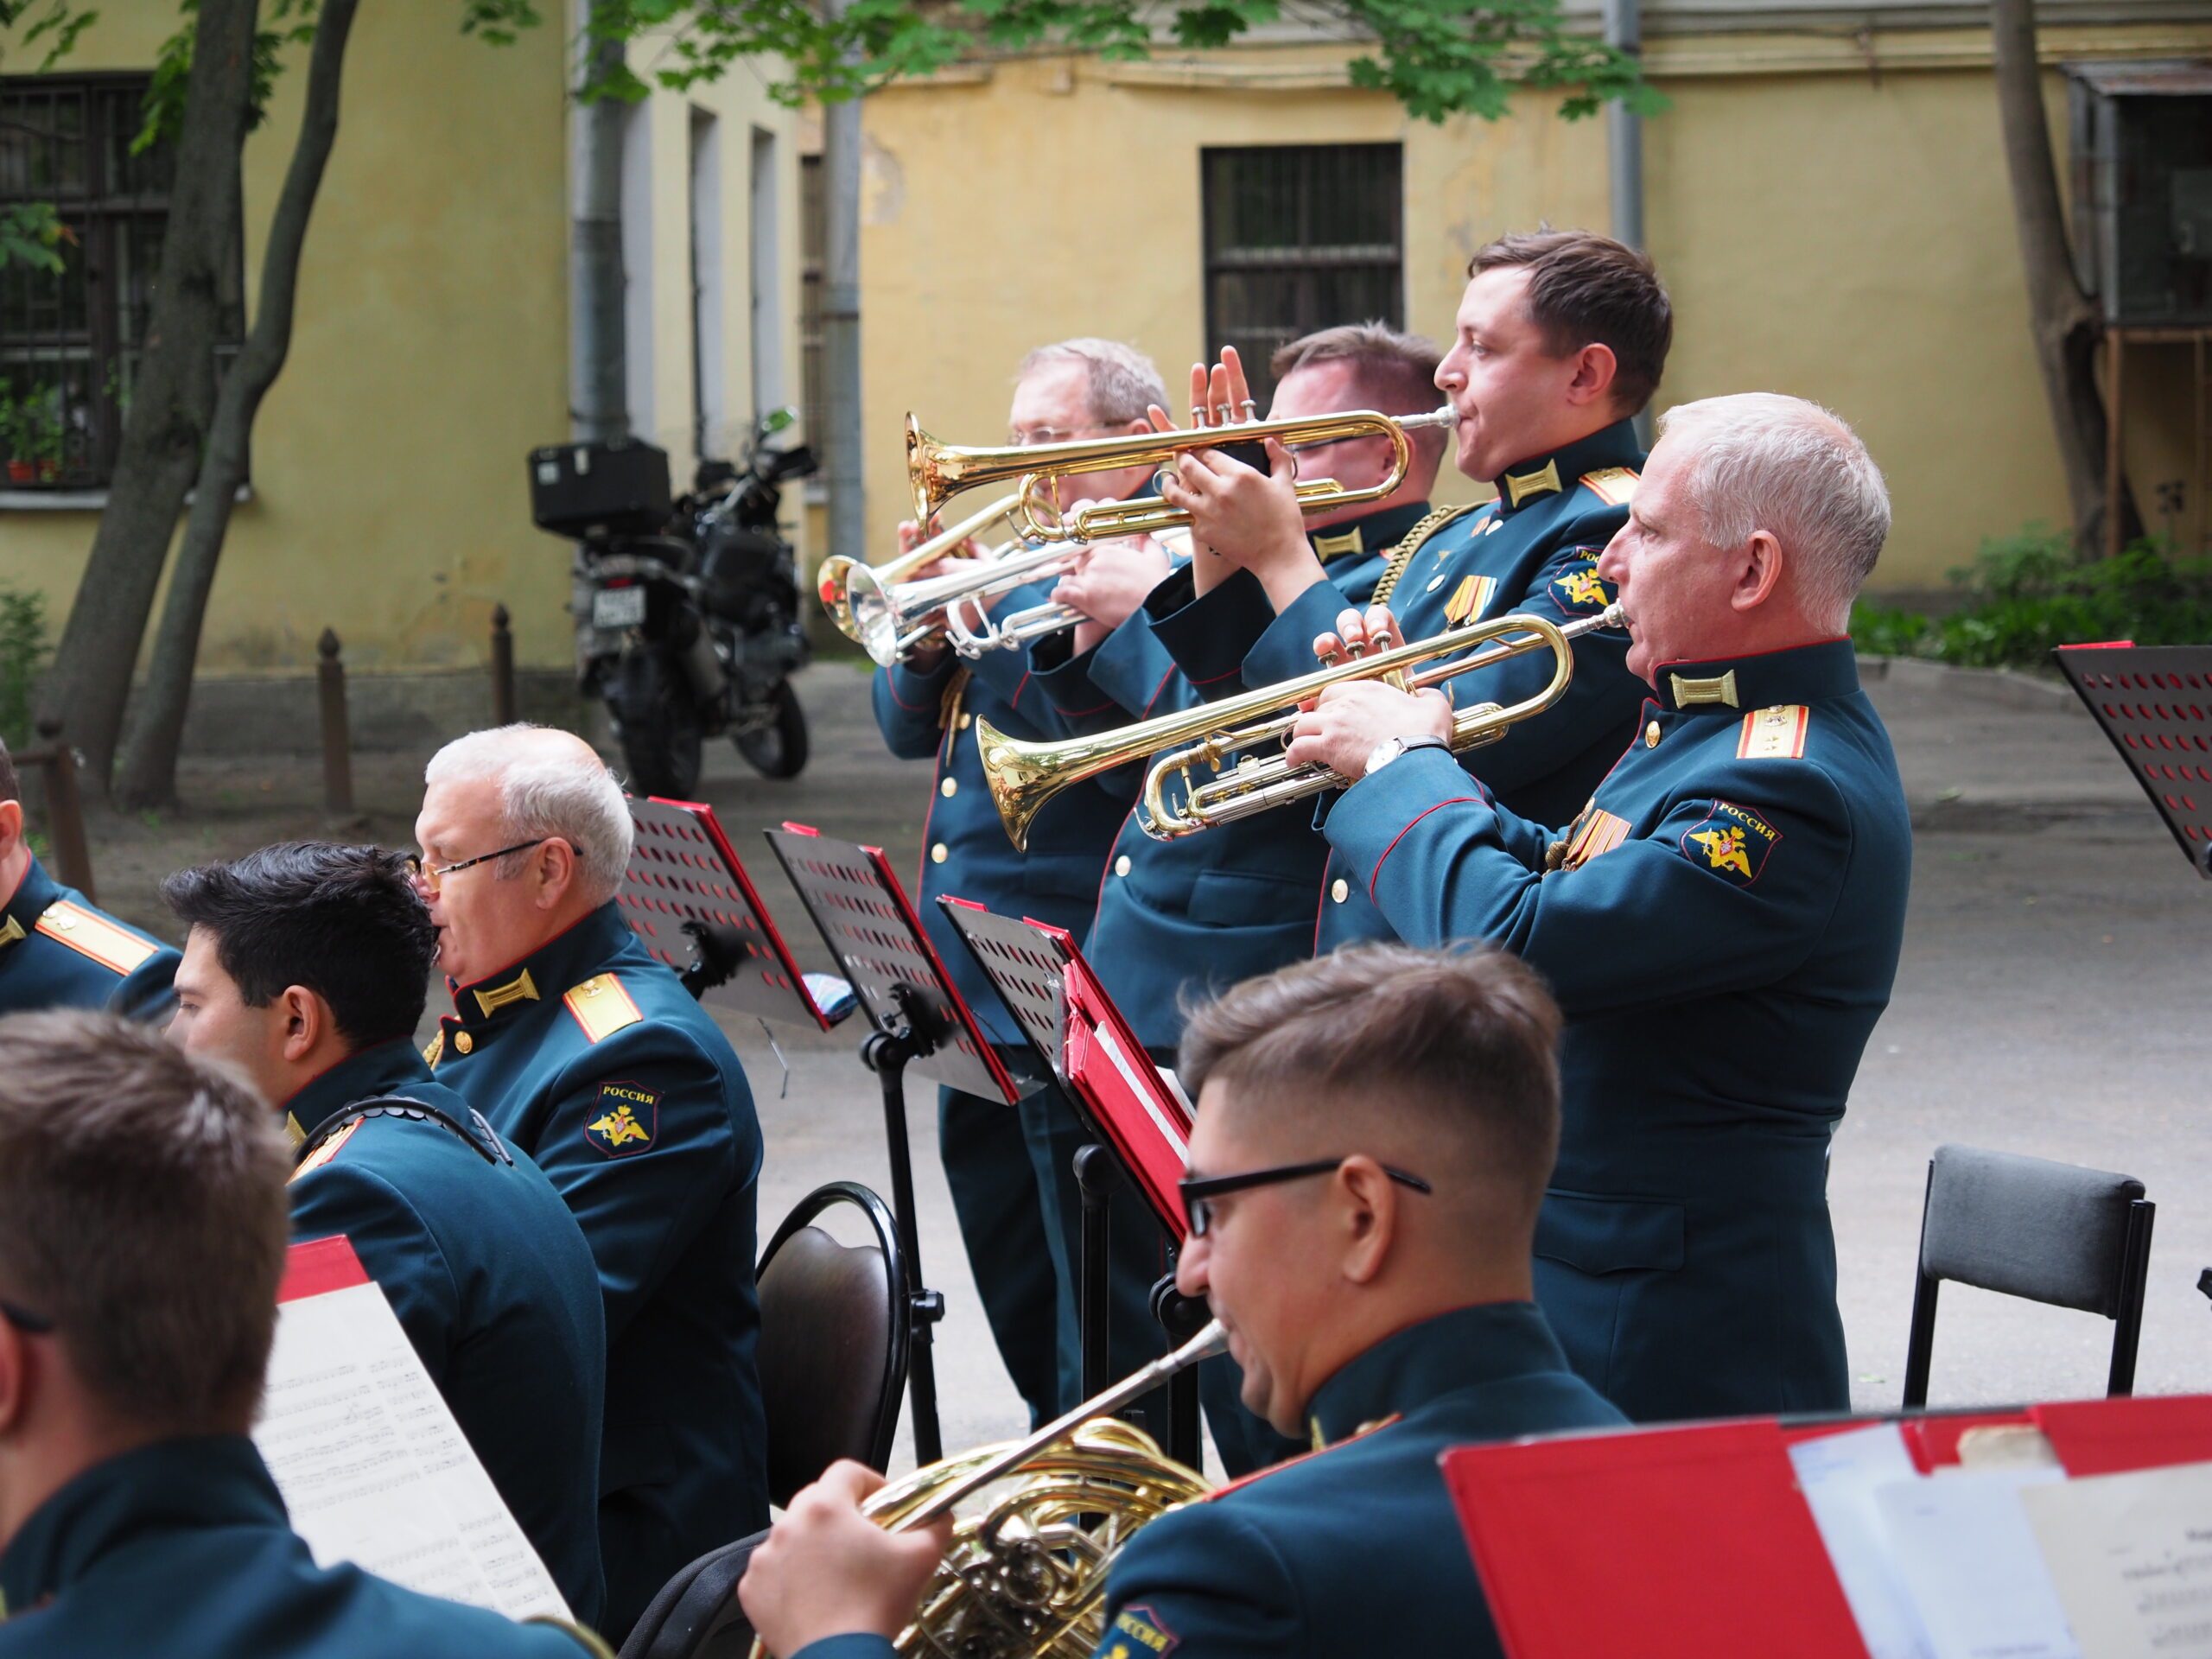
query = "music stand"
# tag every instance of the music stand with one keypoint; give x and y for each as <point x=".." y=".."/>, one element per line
<point x="1138" y="1116"/>
<point x="2155" y="703"/>
<point x="919" y="1019"/>
<point x="686" y="882"/>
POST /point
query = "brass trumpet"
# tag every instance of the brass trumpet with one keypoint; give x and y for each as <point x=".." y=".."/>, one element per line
<point x="1023" y="776"/>
<point x="833" y="582"/>
<point x="939" y="471"/>
<point x="1025" y="1579"/>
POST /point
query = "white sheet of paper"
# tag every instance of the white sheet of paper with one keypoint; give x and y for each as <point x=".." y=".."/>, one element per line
<point x="2132" y="1557"/>
<point x="375" y="1471"/>
<point x="1961" y="1544"/>
<point x="1839" y="1475"/>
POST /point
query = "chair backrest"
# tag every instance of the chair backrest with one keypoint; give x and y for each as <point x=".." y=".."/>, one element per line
<point x="833" y="1345"/>
<point x="2054" y="1233"/>
<point x="696" y="1615"/>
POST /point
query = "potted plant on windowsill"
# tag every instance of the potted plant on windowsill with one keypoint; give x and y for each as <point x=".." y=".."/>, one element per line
<point x="34" y="435"/>
<point x="22" y="468"/>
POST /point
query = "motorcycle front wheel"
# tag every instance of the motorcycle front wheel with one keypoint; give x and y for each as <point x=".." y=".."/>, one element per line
<point x="657" y="725"/>
<point x="778" y="748"/>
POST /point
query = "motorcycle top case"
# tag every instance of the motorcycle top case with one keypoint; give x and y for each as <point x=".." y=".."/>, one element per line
<point x="620" y="487"/>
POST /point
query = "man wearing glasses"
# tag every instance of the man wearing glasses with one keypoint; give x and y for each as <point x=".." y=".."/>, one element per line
<point x="1374" y="1133"/>
<point x="589" y="1055"/>
<point x="1010" y="1169"/>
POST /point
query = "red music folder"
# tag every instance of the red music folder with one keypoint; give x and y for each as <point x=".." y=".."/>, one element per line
<point x="1056" y="999"/>
<point x="2111" y="1437"/>
<point x="1665" y="1543"/>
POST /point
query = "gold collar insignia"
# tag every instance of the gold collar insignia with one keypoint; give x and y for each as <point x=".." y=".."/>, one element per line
<point x="1688" y="694"/>
<point x="1327" y="547"/>
<point x="521" y="989"/>
<point x="10" y="929"/>
<point x="1519" y="489"/>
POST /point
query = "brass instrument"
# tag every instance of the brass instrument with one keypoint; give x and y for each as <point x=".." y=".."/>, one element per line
<point x="833" y="582"/>
<point x="892" y="619"/>
<point x="1023" y="776"/>
<point x="1026" y="1577"/>
<point x="939" y="471"/>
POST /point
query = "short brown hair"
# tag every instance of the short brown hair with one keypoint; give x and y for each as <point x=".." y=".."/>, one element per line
<point x="1397" y="371"/>
<point x="1587" y="290"/>
<point x="142" y="1212"/>
<point x="11" y="787"/>
<point x="1466" y="1039"/>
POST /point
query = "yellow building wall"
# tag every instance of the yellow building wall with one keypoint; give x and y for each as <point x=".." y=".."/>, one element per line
<point x="1831" y="220"/>
<point x="430" y="348"/>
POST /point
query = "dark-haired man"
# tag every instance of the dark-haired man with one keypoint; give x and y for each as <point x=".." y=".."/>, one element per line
<point x="136" y="1519"/>
<point x="1373" y="1137"/>
<point x="56" y="951"/>
<point x="306" y="967"/>
<point x="1561" y="337"/>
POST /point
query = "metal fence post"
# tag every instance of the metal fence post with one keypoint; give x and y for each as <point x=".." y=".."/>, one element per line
<point x="337" y="739"/>
<point x="503" y="668"/>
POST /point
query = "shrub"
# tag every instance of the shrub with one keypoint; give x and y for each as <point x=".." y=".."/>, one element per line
<point x="23" y="654"/>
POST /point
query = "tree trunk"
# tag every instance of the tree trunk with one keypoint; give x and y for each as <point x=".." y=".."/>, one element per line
<point x="2060" y="317"/>
<point x="148" y="773"/>
<point x="598" y="379"/>
<point x="171" y="399"/>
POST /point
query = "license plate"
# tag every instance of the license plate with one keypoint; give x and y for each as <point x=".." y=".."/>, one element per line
<point x="618" y="607"/>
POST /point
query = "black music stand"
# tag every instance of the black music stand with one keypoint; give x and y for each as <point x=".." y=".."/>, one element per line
<point x="685" y="883"/>
<point x="919" y="1019"/>
<point x="1140" y="1125"/>
<point x="2155" y="703"/>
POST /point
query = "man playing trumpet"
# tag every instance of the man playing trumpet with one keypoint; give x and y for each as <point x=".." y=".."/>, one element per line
<point x="1560" y="338"/>
<point x="1373" y="1137"/>
<point x="1721" y="919"/>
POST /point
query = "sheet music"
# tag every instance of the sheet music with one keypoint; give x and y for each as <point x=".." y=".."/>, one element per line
<point x="1962" y="1546"/>
<point x="1839" y="1475"/>
<point x="2131" y="1558"/>
<point x="375" y="1471"/>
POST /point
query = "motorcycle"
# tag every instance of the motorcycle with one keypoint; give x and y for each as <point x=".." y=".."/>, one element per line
<point x="686" y="612"/>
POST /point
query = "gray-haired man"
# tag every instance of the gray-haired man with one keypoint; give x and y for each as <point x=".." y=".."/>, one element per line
<point x="588" y="1054"/>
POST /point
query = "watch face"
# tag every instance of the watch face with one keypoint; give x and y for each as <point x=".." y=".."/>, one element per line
<point x="1384" y="753"/>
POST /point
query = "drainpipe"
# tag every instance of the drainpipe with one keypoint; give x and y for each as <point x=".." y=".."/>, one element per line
<point x="1624" y="149"/>
<point x="598" y="377"/>
<point x="841" y="323"/>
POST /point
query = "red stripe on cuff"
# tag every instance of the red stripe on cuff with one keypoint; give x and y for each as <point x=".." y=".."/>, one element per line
<point x="1457" y="800"/>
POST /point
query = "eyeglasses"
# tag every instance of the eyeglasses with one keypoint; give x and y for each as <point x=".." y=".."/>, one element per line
<point x="1024" y="437"/>
<point x="431" y="877"/>
<point x="23" y="1319"/>
<point x="1198" y="1196"/>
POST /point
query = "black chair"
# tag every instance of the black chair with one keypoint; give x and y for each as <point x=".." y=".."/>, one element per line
<point x="833" y="1370"/>
<point x="2054" y="1233"/>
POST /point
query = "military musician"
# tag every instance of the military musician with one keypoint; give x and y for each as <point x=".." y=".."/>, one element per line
<point x="1721" y="919"/>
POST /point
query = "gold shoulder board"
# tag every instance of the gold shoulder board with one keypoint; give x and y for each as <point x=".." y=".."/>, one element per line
<point x="91" y="934"/>
<point x="1410" y="544"/>
<point x="433" y="1051"/>
<point x="602" y="1007"/>
<point x="1614" y="485"/>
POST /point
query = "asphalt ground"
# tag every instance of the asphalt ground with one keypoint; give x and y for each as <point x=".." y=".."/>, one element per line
<point x="2052" y="1000"/>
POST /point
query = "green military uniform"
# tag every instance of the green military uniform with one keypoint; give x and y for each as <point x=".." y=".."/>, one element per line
<point x="1010" y="1167"/>
<point x="56" y="951"/>
<point x="1355" y="1549"/>
<point x="591" y="1056"/>
<point x="181" y="1550"/>
<point x="490" y="1277"/>
<point x="1721" y="923"/>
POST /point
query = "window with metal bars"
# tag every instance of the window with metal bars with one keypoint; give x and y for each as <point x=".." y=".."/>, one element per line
<point x="1300" y="237"/>
<point x="70" y="342"/>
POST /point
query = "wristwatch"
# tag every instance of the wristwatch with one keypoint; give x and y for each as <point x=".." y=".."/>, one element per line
<point x="1390" y="748"/>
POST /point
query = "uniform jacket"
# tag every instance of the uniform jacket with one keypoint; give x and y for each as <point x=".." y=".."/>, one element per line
<point x="965" y="850"/>
<point x="591" y="1056"/>
<point x="1722" y="929"/>
<point x="1355" y="1549"/>
<point x="182" y="1550"/>
<point x="1198" y="914"/>
<point x="56" y="951"/>
<point x="489" y="1275"/>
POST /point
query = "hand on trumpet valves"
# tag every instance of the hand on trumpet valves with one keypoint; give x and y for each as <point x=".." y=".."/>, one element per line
<point x="1108" y="585"/>
<point x="1349" y="722"/>
<point x="828" y="1570"/>
<point x="1241" y="517"/>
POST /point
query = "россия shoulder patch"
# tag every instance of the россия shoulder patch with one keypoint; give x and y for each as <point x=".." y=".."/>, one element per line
<point x="1139" y="1630"/>
<point x="1580" y="590"/>
<point x="622" y="1119"/>
<point x="1732" y="842"/>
